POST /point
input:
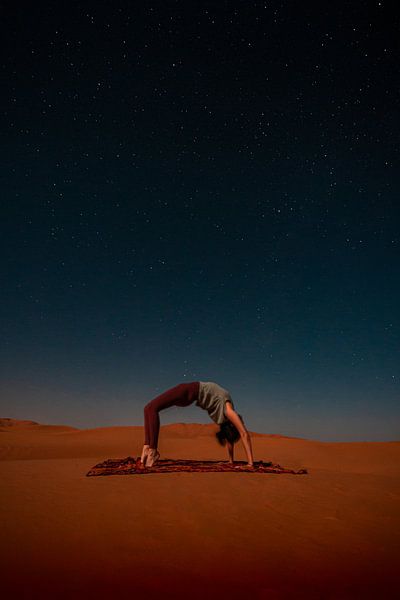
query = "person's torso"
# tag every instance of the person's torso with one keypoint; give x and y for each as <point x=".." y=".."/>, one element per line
<point x="212" y="398"/>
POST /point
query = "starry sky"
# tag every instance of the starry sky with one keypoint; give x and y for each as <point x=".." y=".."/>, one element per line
<point x="202" y="191"/>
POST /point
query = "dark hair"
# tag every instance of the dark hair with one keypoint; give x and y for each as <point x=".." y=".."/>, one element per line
<point x="228" y="431"/>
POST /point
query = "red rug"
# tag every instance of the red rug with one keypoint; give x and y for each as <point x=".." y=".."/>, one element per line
<point x="133" y="466"/>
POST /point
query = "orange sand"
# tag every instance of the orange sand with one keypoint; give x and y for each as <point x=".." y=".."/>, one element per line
<point x="331" y="534"/>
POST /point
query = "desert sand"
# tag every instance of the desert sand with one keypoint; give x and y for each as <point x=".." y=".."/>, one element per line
<point x="331" y="534"/>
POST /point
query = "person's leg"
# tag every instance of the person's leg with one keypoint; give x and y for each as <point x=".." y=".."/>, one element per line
<point x="183" y="394"/>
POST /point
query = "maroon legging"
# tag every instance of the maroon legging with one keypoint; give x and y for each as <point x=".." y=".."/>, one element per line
<point x="180" y="395"/>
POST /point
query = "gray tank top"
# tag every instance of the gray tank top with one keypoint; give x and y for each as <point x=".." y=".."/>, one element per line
<point x="212" y="398"/>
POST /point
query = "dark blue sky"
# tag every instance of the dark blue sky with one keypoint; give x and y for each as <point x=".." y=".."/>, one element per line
<point x="202" y="191"/>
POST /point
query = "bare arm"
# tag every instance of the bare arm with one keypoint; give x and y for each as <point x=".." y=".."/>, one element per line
<point x="230" y="451"/>
<point x="244" y="434"/>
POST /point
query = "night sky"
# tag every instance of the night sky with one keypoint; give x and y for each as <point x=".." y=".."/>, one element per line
<point x="202" y="191"/>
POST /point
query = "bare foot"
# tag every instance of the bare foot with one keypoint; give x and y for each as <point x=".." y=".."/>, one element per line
<point x="145" y="453"/>
<point x="152" y="457"/>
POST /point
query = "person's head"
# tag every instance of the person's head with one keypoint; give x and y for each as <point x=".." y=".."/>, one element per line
<point x="228" y="432"/>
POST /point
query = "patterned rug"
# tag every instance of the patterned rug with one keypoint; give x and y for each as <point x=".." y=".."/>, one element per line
<point x="133" y="466"/>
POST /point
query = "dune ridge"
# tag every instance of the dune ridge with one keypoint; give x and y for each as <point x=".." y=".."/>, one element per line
<point x="28" y="440"/>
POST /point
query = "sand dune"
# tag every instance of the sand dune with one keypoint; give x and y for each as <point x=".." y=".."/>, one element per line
<point x="331" y="534"/>
<point x="14" y="425"/>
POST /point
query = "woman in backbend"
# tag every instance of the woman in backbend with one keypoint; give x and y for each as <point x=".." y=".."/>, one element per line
<point x="208" y="396"/>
